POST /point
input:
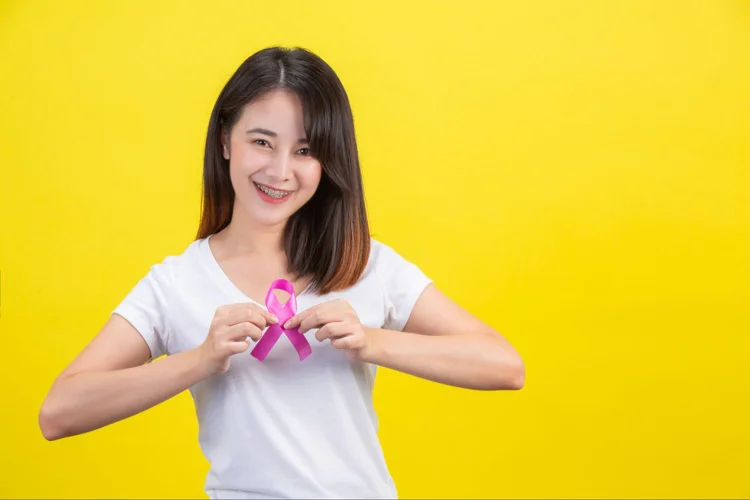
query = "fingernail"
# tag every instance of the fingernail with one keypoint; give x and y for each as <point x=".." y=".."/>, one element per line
<point x="287" y="324"/>
<point x="274" y="319"/>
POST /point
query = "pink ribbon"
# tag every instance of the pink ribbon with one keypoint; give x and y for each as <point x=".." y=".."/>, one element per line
<point x="284" y="313"/>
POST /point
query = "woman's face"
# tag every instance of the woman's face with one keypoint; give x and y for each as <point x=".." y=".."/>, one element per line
<point x="270" y="166"/>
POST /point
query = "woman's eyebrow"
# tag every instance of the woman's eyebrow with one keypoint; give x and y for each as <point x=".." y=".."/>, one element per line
<point x="271" y="133"/>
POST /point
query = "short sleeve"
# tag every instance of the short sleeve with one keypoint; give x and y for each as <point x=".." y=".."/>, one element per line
<point x="145" y="307"/>
<point x="403" y="282"/>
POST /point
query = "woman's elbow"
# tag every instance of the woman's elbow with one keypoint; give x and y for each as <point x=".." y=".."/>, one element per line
<point x="511" y="374"/>
<point x="517" y="376"/>
<point x="505" y="368"/>
<point x="50" y="422"/>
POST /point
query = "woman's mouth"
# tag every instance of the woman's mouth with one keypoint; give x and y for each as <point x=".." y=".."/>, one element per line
<point x="270" y="194"/>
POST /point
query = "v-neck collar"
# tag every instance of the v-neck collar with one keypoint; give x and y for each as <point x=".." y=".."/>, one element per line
<point x="221" y="278"/>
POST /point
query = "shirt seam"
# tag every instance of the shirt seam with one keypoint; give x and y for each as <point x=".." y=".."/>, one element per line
<point x="383" y="290"/>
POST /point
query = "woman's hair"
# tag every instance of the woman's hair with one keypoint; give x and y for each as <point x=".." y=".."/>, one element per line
<point x="327" y="239"/>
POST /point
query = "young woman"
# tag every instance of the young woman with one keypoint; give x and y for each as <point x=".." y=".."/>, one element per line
<point x="282" y="200"/>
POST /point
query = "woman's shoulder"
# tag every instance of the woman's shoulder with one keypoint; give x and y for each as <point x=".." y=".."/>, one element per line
<point x="385" y="260"/>
<point x="401" y="281"/>
<point x="176" y="263"/>
<point x="384" y="254"/>
<point x="381" y="254"/>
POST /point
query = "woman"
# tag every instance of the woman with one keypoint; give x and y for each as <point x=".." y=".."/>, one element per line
<point x="282" y="200"/>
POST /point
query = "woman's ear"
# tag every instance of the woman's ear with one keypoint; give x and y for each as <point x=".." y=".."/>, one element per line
<point x="225" y="145"/>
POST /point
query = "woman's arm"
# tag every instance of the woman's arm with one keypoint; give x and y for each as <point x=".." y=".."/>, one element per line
<point x="445" y="343"/>
<point x="109" y="381"/>
<point x="441" y="342"/>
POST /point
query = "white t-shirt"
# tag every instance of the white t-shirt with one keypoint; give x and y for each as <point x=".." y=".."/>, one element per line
<point x="281" y="428"/>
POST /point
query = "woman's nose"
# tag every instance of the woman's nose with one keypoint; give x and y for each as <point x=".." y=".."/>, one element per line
<point x="278" y="166"/>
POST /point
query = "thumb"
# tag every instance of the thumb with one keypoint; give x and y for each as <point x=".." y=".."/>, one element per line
<point x="239" y="346"/>
<point x="270" y="317"/>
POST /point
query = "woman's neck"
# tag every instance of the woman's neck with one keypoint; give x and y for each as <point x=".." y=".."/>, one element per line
<point x="244" y="236"/>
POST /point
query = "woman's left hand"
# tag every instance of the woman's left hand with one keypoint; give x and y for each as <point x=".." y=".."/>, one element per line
<point x="335" y="320"/>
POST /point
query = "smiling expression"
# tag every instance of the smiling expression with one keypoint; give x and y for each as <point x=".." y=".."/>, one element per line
<point x="271" y="167"/>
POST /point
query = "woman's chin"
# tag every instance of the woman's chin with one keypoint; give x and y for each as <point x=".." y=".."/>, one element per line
<point x="269" y="220"/>
<point x="269" y="216"/>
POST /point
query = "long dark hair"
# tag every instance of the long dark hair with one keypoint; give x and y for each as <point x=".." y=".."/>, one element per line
<point x="327" y="239"/>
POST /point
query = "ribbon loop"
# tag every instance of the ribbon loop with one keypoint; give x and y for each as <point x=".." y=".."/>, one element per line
<point x="284" y="313"/>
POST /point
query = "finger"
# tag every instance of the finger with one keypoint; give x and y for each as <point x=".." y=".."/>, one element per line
<point x="315" y="320"/>
<point x="241" y="331"/>
<point x="238" y="347"/>
<point x="348" y="342"/>
<point x="321" y="318"/>
<point x="320" y="314"/>
<point x="298" y="318"/>
<point x="334" y="330"/>
<point x="248" y="312"/>
<point x="236" y="313"/>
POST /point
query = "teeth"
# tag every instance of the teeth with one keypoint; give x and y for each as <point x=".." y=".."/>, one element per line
<point x="272" y="192"/>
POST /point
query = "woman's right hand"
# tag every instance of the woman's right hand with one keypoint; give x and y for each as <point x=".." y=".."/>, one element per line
<point x="230" y="327"/>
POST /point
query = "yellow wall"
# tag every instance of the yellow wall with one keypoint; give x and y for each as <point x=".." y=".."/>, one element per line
<point x="576" y="173"/>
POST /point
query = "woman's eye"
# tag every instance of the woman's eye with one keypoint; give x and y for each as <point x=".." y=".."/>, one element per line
<point x="261" y="142"/>
<point x="304" y="151"/>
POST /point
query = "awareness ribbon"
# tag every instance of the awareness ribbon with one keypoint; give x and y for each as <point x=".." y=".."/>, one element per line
<point x="283" y="313"/>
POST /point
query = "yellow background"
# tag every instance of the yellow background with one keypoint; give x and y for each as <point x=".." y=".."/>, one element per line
<point x="576" y="173"/>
